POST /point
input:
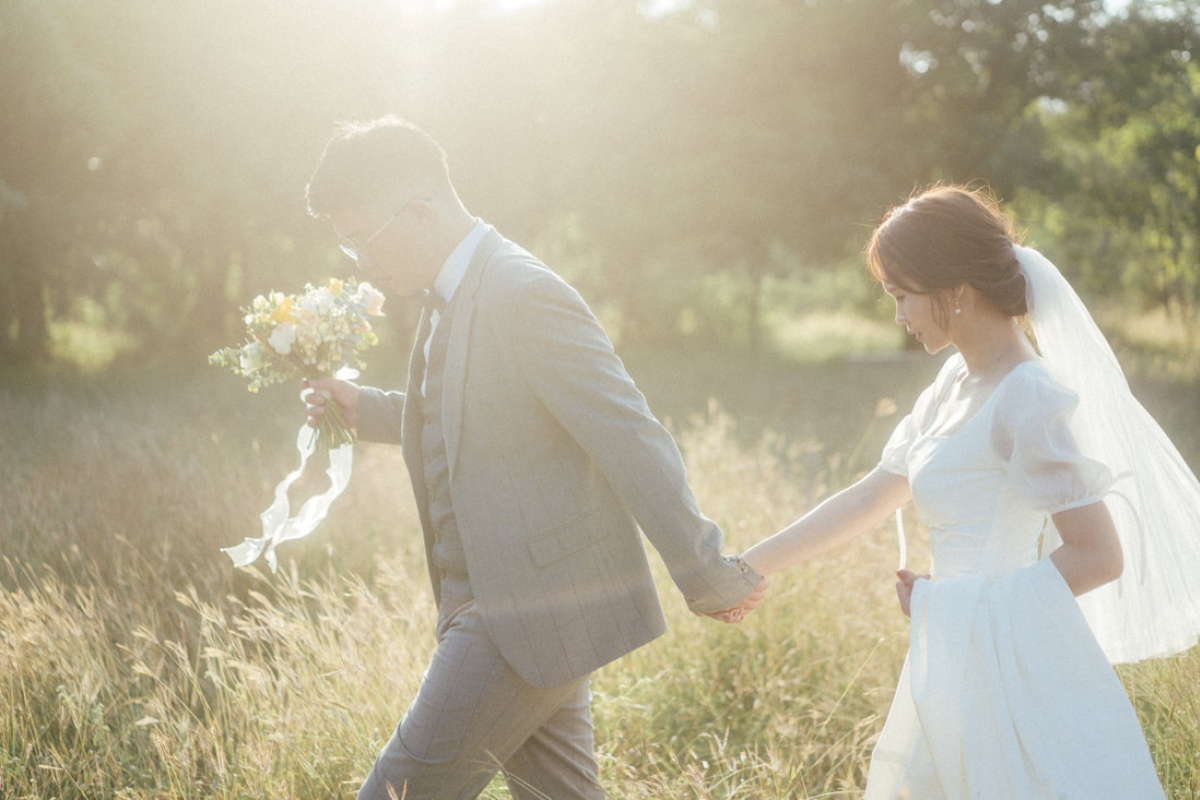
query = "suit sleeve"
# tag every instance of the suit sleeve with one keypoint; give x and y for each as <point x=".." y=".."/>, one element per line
<point x="380" y="415"/>
<point x="569" y="362"/>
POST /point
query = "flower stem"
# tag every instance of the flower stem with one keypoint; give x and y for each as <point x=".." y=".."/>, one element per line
<point x="333" y="431"/>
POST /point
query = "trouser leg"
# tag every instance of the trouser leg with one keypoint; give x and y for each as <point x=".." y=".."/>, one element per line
<point x="472" y="714"/>
<point x="558" y="761"/>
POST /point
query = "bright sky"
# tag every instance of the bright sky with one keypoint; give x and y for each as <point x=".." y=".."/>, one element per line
<point x="653" y="7"/>
<point x="664" y="6"/>
<point x="657" y="7"/>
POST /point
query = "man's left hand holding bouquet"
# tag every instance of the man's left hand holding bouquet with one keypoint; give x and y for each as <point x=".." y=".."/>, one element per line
<point x="307" y="336"/>
<point x="343" y="394"/>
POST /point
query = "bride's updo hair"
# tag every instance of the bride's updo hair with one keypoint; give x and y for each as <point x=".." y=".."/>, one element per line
<point x="944" y="237"/>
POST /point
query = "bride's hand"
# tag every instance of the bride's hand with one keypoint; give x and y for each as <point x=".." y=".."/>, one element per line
<point x="904" y="588"/>
<point x="739" y="612"/>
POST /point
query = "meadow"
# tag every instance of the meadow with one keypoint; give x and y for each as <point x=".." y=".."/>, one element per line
<point x="135" y="662"/>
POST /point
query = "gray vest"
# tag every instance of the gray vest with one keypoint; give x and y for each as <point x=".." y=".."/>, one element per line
<point x="448" y="558"/>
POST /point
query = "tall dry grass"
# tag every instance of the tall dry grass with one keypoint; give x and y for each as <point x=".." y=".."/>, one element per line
<point x="136" y="663"/>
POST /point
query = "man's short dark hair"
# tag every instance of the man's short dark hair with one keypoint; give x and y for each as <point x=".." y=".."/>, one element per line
<point x="364" y="161"/>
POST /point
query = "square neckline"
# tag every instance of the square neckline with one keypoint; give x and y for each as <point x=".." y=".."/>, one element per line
<point x="983" y="406"/>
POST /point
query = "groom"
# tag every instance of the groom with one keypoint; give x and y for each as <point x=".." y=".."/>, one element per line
<point x="534" y="460"/>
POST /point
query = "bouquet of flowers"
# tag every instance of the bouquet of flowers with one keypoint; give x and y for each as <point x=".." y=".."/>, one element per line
<point x="321" y="332"/>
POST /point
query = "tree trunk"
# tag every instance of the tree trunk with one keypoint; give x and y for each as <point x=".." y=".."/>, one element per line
<point x="757" y="269"/>
<point x="24" y="335"/>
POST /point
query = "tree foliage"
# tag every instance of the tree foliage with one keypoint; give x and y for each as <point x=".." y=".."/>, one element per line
<point x="153" y="156"/>
<point x="1132" y="145"/>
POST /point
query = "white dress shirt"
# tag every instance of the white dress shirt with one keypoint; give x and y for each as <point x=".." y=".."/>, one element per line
<point x="451" y="275"/>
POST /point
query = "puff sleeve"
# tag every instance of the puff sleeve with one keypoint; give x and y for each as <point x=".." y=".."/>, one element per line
<point x="895" y="452"/>
<point x="1044" y="463"/>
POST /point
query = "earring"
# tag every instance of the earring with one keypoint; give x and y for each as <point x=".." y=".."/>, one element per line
<point x="957" y="310"/>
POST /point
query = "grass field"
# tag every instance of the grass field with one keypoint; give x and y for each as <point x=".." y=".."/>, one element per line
<point x="136" y="663"/>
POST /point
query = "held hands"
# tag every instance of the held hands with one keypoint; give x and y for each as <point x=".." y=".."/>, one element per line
<point x="319" y="391"/>
<point x="904" y="588"/>
<point x="739" y="612"/>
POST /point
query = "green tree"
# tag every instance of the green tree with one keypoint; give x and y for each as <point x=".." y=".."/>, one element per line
<point x="153" y="155"/>
<point x="1131" y="136"/>
<point x="979" y="69"/>
<point x="54" y="107"/>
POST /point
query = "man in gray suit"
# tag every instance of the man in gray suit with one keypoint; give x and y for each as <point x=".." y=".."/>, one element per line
<point x="534" y="460"/>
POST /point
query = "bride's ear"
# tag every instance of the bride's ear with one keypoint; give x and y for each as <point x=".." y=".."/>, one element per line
<point x="966" y="301"/>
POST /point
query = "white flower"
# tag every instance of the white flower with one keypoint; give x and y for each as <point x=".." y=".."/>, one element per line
<point x="372" y="298"/>
<point x="324" y="301"/>
<point x="313" y="331"/>
<point x="252" y="357"/>
<point x="282" y="337"/>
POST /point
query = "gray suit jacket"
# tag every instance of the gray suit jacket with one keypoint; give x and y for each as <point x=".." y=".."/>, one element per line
<point x="555" y="460"/>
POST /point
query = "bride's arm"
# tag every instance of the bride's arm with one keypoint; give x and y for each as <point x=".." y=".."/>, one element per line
<point x="1090" y="555"/>
<point x="837" y="520"/>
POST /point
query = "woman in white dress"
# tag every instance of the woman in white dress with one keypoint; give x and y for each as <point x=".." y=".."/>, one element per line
<point x="1008" y="691"/>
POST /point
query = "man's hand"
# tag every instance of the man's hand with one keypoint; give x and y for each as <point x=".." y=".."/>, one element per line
<point x="904" y="588"/>
<point x="319" y="391"/>
<point x="739" y="612"/>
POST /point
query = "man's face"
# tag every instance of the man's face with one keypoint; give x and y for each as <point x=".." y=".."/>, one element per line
<point x="386" y="243"/>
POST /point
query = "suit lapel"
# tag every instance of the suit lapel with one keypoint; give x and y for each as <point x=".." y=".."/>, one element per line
<point x="454" y="379"/>
<point x="410" y="430"/>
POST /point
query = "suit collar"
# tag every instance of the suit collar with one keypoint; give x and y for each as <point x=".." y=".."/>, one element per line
<point x="455" y="267"/>
<point x="454" y="377"/>
<point x="473" y="277"/>
<point x="454" y="374"/>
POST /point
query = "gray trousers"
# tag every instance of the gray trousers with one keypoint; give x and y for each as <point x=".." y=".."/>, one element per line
<point x="473" y="716"/>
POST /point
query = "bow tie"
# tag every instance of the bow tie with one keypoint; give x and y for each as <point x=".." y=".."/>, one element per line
<point x="433" y="301"/>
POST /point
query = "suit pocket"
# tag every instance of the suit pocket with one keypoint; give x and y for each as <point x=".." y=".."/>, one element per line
<point x="560" y="541"/>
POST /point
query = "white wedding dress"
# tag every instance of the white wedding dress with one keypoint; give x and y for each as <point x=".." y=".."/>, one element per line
<point x="1006" y="693"/>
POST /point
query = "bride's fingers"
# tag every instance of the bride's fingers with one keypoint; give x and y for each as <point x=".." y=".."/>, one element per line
<point x="908" y="577"/>
<point x="904" y="595"/>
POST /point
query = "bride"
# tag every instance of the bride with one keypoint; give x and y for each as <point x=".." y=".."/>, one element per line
<point x="1008" y="691"/>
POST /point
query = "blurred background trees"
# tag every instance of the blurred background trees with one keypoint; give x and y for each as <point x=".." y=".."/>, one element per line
<point x="679" y="161"/>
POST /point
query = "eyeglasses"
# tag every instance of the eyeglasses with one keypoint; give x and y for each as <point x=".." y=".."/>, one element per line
<point x="352" y="248"/>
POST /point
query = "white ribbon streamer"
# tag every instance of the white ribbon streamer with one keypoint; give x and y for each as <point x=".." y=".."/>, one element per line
<point x="278" y="527"/>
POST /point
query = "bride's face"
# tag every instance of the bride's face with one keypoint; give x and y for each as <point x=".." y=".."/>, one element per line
<point x="915" y="311"/>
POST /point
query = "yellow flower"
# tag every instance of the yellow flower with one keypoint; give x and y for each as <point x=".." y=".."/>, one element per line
<point x="336" y="286"/>
<point x="283" y="312"/>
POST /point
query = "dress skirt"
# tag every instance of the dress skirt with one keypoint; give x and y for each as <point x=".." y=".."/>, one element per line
<point x="1005" y="695"/>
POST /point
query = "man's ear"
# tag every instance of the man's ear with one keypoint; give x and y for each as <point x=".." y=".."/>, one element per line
<point x="424" y="209"/>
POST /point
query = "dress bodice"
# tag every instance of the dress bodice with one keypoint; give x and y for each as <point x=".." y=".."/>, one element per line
<point x="961" y="494"/>
<point x="986" y="485"/>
